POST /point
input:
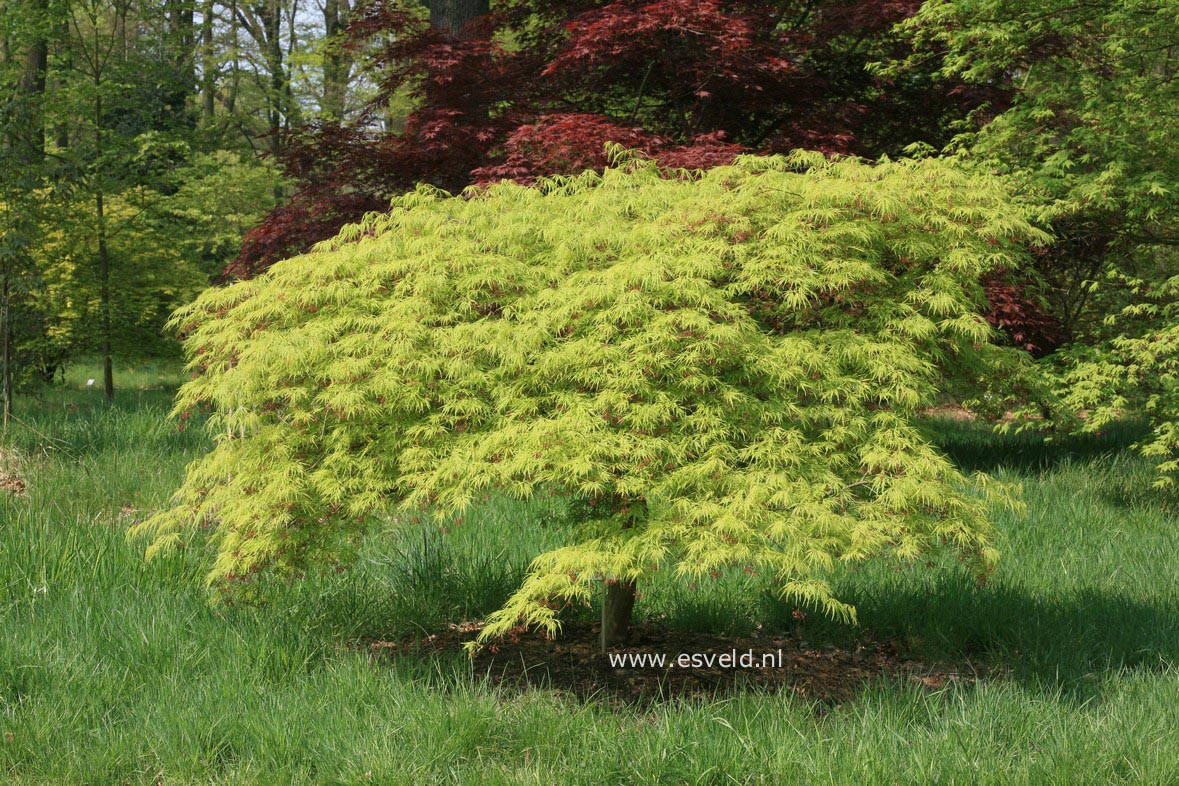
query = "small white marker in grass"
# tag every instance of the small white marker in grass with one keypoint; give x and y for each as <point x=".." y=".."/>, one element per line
<point x="90" y="383"/>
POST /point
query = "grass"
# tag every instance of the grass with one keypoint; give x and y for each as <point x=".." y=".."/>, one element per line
<point x="117" y="671"/>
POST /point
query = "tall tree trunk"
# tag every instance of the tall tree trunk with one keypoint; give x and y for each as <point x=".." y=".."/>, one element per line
<point x="104" y="257"/>
<point x="121" y="41"/>
<point x="235" y="67"/>
<point x="6" y="370"/>
<point x="291" y="113"/>
<point x="65" y="56"/>
<point x="104" y="302"/>
<point x="182" y="43"/>
<point x="272" y="47"/>
<point x="208" y="65"/>
<point x="25" y="144"/>
<point x="31" y="87"/>
<point x="337" y="63"/>
<point x="454" y="15"/>
<point x="617" y="610"/>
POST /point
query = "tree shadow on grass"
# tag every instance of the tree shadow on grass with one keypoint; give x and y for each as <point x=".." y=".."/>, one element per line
<point x="976" y="447"/>
<point x="1070" y="641"/>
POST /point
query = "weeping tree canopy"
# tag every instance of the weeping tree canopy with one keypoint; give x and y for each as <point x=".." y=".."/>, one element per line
<point x="720" y="368"/>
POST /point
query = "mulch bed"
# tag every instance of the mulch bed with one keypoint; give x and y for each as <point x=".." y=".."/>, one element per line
<point x="572" y="663"/>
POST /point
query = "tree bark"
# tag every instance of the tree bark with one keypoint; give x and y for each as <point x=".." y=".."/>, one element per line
<point x="104" y="257"/>
<point x="121" y="38"/>
<point x="104" y="303"/>
<point x="208" y="65"/>
<point x="235" y="68"/>
<point x="31" y="87"/>
<point x="263" y="22"/>
<point x="65" y="56"/>
<point x="291" y="109"/>
<point x="337" y="64"/>
<point x="454" y="15"/>
<point x="272" y="43"/>
<point x="183" y="40"/>
<point x="617" y="610"/>
<point x="6" y="382"/>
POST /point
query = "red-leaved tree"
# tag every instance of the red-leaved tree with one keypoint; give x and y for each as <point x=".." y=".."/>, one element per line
<point x="538" y="87"/>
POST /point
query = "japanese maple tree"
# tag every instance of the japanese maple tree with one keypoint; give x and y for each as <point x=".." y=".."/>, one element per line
<point x="529" y="88"/>
<point x="721" y="370"/>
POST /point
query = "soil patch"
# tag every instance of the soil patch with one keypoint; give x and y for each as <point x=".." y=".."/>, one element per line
<point x="10" y="481"/>
<point x="695" y="665"/>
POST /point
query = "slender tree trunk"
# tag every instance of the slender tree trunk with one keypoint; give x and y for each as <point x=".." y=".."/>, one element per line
<point x="5" y="331"/>
<point x="104" y="257"/>
<point x="25" y="142"/>
<point x="235" y="67"/>
<point x="122" y="42"/>
<point x="272" y="43"/>
<point x="104" y="273"/>
<point x="32" y="81"/>
<point x="617" y="610"/>
<point x="337" y="64"/>
<point x="208" y="65"/>
<point x="182" y="45"/>
<point x="65" y="57"/>
<point x="291" y="112"/>
<point x="618" y="602"/>
<point x="6" y="371"/>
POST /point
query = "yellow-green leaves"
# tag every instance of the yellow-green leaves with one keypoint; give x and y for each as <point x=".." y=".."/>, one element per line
<point x="721" y="369"/>
<point x="1138" y="371"/>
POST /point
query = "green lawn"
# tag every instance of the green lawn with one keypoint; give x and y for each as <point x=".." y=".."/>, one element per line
<point x="114" y="671"/>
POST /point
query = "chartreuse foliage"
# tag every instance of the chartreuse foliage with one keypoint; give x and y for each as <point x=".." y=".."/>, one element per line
<point x="1138" y="372"/>
<point x="720" y="369"/>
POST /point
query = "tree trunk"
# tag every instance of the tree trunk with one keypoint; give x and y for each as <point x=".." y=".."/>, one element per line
<point x="272" y="50"/>
<point x="182" y="44"/>
<point x="104" y="303"/>
<point x="31" y="87"/>
<point x="617" y="609"/>
<point x="121" y="44"/>
<point x="208" y="66"/>
<point x="65" y="56"/>
<point x="453" y="15"/>
<point x="337" y="63"/>
<point x="235" y="67"/>
<point x="6" y="386"/>
<point x="104" y="257"/>
<point x="25" y="140"/>
<point x="291" y="109"/>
